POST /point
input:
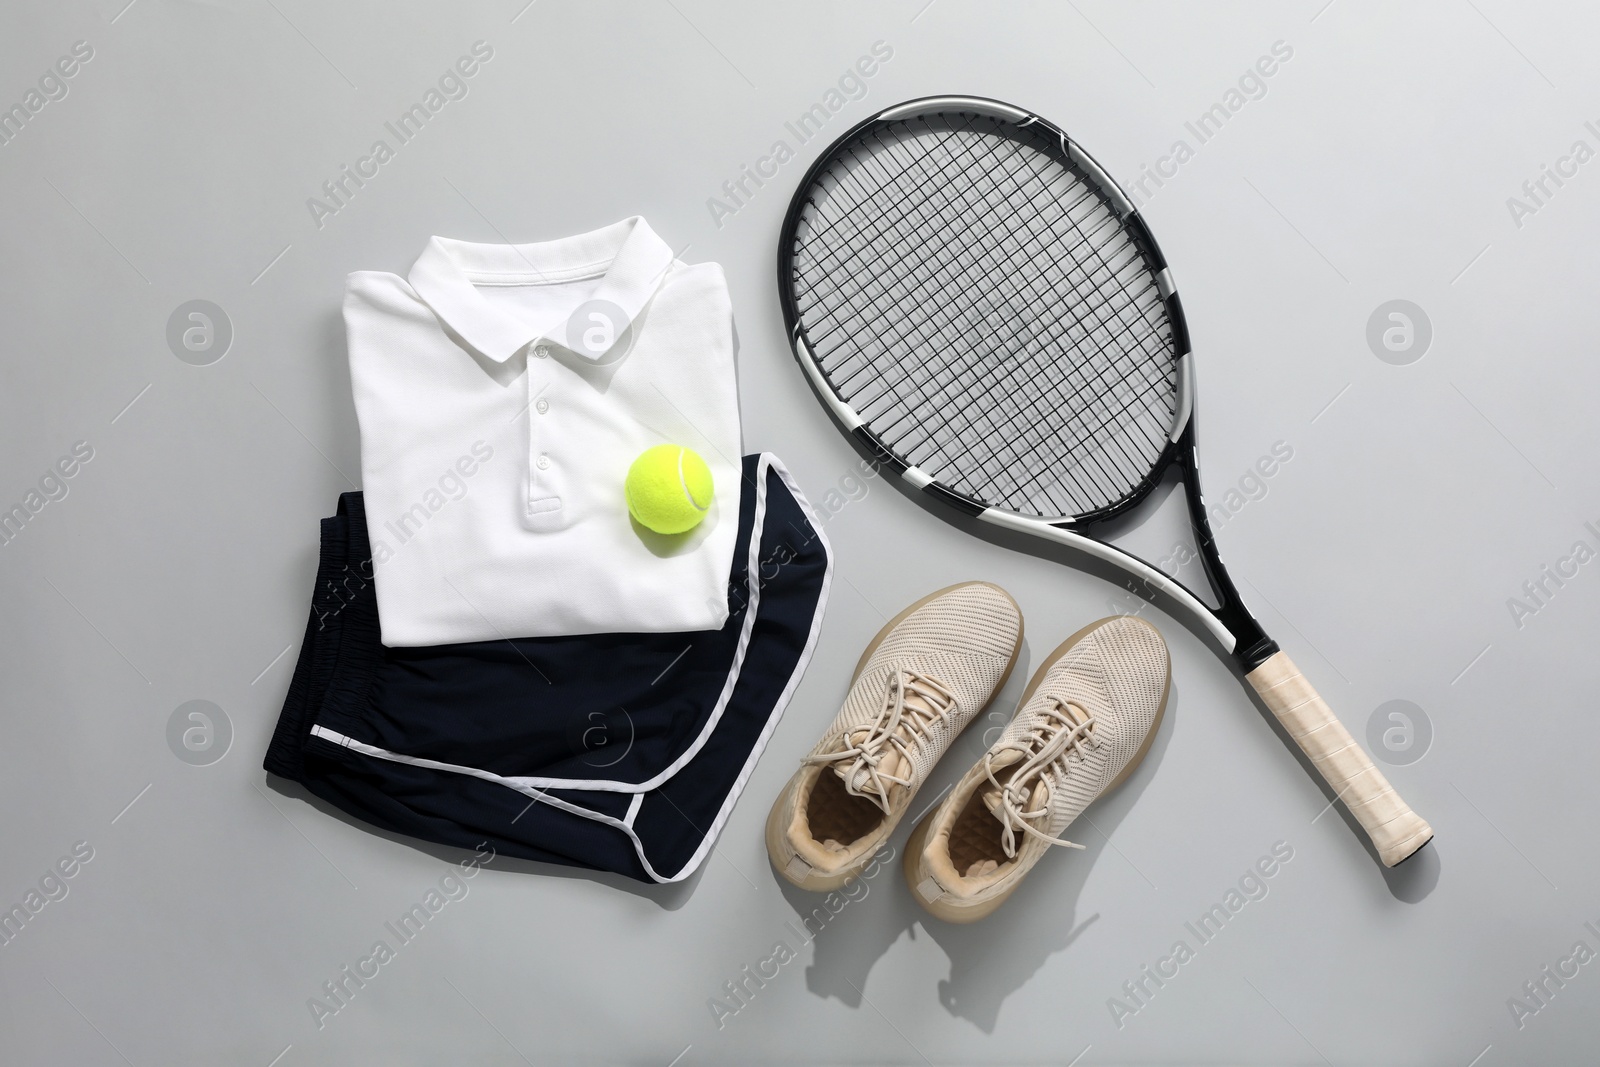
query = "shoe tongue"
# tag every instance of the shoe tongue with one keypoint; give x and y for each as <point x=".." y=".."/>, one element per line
<point x="1037" y="799"/>
<point x="890" y="762"/>
<point x="858" y="777"/>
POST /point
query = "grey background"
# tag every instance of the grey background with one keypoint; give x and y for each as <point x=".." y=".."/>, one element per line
<point x="1419" y="498"/>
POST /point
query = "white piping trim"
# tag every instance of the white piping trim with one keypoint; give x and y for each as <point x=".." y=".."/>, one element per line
<point x="917" y="476"/>
<point x="538" y="795"/>
<point x="794" y="678"/>
<point x="536" y="788"/>
<point x="1134" y="566"/>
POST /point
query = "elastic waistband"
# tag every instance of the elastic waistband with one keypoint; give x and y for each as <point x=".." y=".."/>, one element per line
<point x="339" y="639"/>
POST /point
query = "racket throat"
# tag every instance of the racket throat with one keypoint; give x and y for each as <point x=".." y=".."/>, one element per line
<point x="1253" y="654"/>
<point x="1252" y="647"/>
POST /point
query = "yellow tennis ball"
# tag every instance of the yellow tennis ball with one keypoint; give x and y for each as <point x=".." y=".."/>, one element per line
<point x="669" y="489"/>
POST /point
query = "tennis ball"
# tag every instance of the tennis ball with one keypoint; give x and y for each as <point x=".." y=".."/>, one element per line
<point x="669" y="489"/>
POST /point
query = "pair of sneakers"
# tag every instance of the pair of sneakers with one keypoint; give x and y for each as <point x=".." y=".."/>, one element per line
<point x="1085" y="721"/>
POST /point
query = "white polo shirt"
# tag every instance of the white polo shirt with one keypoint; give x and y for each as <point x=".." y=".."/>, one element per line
<point x="502" y="392"/>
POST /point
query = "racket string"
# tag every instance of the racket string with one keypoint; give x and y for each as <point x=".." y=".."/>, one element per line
<point x="984" y="261"/>
<point x="926" y="333"/>
<point x="985" y="311"/>
<point x="1085" y="387"/>
<point x="1087" y="239"/>
<point x="1095" y="398"/>
<point x="1040" y="410"/>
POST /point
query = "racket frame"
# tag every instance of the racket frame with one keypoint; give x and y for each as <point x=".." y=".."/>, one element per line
<point x="1231" y="623"/>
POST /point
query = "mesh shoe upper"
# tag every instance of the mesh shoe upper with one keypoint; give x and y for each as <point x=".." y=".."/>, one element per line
<point x="931" y="673"/>
<point x="1085" y="720"/>
<point x="1118" y="674"/>
<point x="962" y="641"/>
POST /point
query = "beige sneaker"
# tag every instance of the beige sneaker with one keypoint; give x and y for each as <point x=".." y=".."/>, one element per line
<point x="1084" y="723"/>
<point x="930" y="671"/>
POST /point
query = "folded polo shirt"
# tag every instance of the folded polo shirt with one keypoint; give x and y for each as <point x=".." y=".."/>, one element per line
<point x="502" y="393"/>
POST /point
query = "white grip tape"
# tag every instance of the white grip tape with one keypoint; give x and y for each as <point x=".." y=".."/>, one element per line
<point x="1395" y="829"/>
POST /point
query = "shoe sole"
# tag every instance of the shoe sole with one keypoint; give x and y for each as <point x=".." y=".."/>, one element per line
<point x="775" y="831"/>
<point x="918" y="842"/>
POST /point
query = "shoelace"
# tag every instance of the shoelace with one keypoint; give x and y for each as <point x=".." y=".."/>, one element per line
<point x="935" y="705"/>
<point x="1059" y="731"/>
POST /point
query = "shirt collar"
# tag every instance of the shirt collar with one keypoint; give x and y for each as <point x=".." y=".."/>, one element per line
<point x="628" y="255"/>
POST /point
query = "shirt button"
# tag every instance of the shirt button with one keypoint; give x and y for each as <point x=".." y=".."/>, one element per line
<point x="542" y="351"/>
<point x="544" y="463"/>
<point x="542" y="406"/>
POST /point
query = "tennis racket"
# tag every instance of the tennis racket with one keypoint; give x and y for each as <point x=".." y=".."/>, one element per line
<point x="982" y="307"/>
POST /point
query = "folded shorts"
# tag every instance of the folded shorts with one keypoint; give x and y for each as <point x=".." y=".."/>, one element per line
<point x="614" y="752"/>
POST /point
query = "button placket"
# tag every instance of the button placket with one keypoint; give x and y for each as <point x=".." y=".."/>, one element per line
<point x="541" y="376"/>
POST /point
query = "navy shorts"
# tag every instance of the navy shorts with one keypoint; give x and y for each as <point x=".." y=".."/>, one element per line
<point x="615" y="752"/>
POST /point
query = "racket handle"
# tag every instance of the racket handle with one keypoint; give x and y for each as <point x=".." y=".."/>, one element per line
<point x="1395" y="829"/>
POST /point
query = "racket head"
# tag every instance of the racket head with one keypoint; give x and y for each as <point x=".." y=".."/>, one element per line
<point x="981" y="305"/>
